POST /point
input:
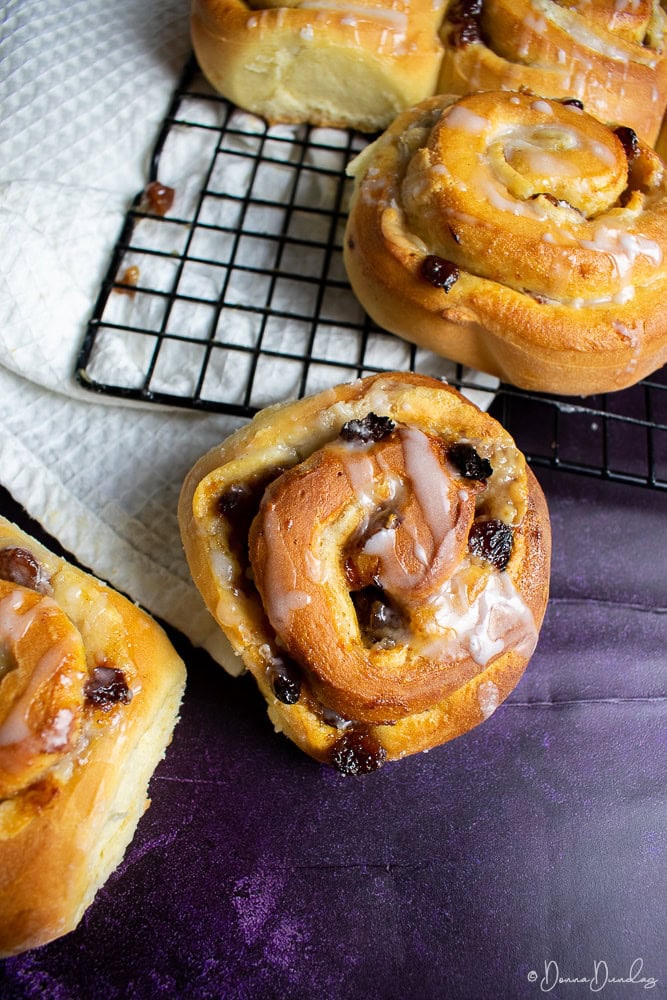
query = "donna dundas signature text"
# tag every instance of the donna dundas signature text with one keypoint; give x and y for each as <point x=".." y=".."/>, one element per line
<point x="601" y="977"/>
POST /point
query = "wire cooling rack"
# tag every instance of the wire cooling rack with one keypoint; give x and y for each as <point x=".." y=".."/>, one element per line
<point x="234" y="296"/>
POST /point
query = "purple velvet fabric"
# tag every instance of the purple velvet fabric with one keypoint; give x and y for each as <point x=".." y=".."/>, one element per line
<point x="529" y="849"/>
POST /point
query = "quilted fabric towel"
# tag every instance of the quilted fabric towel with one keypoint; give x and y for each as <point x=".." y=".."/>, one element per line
<point x="85" y="86"/>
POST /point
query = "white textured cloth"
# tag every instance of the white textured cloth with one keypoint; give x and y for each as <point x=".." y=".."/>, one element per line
<point x="85" y="87"/>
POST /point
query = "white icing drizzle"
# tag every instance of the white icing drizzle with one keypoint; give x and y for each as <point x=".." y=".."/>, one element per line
<point x="430" y="483"/>
<point x="498" y="619"/>
<point x="544" y="145"/>
<point x="465" y="120"/>
<point x="316" y="569"/>
<point x="58" y="734"/>
<point x="623" y="248"/>
<point x="14" y="624"/>
<point x="604" y="153"/>
<point x="603" y="45"/>
<point x="488" y="698"/>
<point x="544" y="162"/>
<point x="430" y="486"/>
<point x="361" y="474"/>
<point x="498" y="196"/>
<point x="284" y="598"/>
<point x="222" y="566"/>
<point x="397" y="19"/>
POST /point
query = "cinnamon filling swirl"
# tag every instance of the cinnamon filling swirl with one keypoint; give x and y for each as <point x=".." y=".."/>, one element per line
<point x="360" y="555"/>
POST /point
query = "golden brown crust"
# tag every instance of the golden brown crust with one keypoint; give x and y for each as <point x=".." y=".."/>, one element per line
<point x="610" y="58"/>
<point x="322" y="509"/>
<point x="558" y="241"/>
<point x="329" y="64"/>
<point x="80" y="737"/>
<point x="358" y="65"/>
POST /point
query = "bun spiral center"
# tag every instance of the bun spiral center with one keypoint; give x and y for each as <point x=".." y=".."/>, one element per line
<point x="360" y="554"/>
<point x="534" y="194"/>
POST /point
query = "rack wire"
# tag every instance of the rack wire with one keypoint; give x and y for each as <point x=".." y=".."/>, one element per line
<point x="234" y="296"/>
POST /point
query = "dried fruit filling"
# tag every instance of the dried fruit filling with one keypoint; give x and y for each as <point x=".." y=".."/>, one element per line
<point x="491" y="540"/>
<point x="380" y="622"/>
<point x="159" y="197"/>
<point x="285" y="682"/>
<point x="19" y="566"/>
<point x="357" y="752"/>
<point x="107" y="687"/>
<point x="370" y="428"/>
<point x="468" y="462"/>
<point x="439" y="272"/>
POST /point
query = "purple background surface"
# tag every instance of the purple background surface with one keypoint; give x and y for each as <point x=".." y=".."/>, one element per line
<point x="538" y="837"/>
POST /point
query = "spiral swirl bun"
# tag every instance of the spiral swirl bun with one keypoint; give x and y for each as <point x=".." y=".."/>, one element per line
<point x="518" y="235"/>
<point x="89" y="692"/>
<point x="611" y="56"/>
<point x="378" y="554"/>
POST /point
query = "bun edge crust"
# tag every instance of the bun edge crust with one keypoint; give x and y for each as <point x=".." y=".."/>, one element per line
<point x="52" y="868"/>
<point x="487" y="325"/>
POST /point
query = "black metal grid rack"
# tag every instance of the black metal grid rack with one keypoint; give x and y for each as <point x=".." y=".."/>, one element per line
<point x="236" y="297"/>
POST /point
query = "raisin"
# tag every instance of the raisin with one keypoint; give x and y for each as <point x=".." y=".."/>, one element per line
<point x="285" y="682"/>
<point x="629" y="141"/>
<point x="465" y="17"/>
<point x="439" y="272"/>
<point x="20" y="566"/>
<point x="231" y="499"/>
<point x="357" y="752"/>
<point x="370" y="428"/>
<point x="464" y="10"/>
<point x="465" y="34"/>
<point x="465" y="460"/>
<point x="159" y="198"/>
<point x="573" y="102"/>
<point x="377" y="617"/>
<point x="239" y="504"/>
<point x="107" y="687"/>
<point x="334" y="719"/>
<point x="130" y="278"/>
<point x="491" y="540"/>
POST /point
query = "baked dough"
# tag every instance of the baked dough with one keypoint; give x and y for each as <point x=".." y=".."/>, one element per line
<point x="517" y="235"/>
<point x="349" y="65"/>
<point x="329" y="62"/>
<point x="378" y="555"/>
<point x="609" y="55"/>
<point x="90" y="689"/>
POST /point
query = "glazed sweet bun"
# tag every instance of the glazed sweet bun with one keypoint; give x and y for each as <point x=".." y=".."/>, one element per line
<point x="517" y="235"/>
<point x="378" y="555"/>
<point x="610" y="55"/>
<point x="90" y="689"/>
<point x="320" y="61"/>
<point x="358" y="65"/>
